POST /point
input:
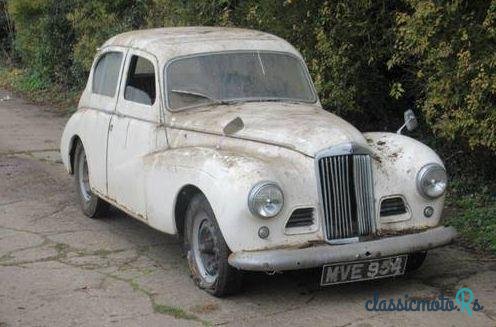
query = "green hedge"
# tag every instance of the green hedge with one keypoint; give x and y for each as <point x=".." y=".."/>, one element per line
<point x="43" y="38"/>
<point x="450" y="48"/>
<point x="370" y="59"/>
<point x="6" y="30"/>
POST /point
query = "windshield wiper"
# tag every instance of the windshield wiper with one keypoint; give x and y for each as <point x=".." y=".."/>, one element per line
<point x="213" y="101"/>
<point x="273" y="100"/>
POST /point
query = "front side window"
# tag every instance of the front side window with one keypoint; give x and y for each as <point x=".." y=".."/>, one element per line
<point x="106" y="74"/>
<point x="140" y="84"/>
<point x="237" y="76"/>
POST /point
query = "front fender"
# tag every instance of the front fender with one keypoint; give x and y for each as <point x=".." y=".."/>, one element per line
<point x="68" y="136"/>
<point x="397" y="160"/>
<point x="226" y="178"/>
<point x="72" y="131"/>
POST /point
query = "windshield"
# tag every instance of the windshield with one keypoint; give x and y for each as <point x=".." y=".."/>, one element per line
<point x="237" y="76"/>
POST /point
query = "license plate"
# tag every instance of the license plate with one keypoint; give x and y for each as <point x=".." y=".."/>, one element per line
<point x="347" y="272"/>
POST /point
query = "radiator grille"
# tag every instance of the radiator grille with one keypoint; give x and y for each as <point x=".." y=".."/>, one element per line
<point x="347" y="195"/>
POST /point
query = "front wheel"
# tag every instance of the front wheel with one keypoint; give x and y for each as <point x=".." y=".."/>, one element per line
<point x="207" y="251"/>
<point x="91" y="204"/>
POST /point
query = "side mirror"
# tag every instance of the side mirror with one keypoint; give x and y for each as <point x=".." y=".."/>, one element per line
<point x="411" y="121"/>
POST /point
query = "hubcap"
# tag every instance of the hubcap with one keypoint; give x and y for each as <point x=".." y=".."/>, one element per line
<point x="84" y="179"/>
<point x="205" y="249"/>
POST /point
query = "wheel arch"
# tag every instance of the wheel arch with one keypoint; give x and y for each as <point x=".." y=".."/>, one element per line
<point x="72" y="151"/>
<point x="183" y="198"/>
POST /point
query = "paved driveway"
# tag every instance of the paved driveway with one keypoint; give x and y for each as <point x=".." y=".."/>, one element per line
<point x="59" y="268"/>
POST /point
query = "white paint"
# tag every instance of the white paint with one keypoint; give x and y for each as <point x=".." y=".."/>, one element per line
<point x="153" y="153"/>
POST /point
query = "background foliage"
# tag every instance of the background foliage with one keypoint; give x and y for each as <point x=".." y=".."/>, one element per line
<point x="370" y="61"/>
<point x="450" y="49"/>
<point x="6" y="30"/>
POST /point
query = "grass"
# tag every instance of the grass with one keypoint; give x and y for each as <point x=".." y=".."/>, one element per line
<point x="177" y="313"/>
<point x="60" y="247"/>
<point x="474" y="217"/>
<point x="36" y="90"/>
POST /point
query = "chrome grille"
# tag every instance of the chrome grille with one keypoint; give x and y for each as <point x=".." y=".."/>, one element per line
<point x="347" y="195"/>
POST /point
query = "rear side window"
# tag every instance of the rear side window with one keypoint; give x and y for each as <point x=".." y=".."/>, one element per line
<point x="140" y="84"/>
<point x="106" y="74"/>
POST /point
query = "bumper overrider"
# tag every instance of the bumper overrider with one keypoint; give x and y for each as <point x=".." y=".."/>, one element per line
<point x="316" y="256"/>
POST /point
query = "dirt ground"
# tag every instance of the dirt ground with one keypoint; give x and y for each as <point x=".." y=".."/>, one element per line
<point x="59" y="268"/>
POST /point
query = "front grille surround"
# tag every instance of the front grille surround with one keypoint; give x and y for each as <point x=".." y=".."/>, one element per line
<point x="345" y="185"/>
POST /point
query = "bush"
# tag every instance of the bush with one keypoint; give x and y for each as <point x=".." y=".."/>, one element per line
<point x="43" y="37"/>
<point x="475" y="217"/>
<point x="6" y="31"/>
<point x="450" y="48"/>
<point x="95" y="21"/>
<point x="370" y="60"/>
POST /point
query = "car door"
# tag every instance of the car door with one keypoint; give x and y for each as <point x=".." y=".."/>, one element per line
<point x="98" y="104"/>
<point x="135" y="131"/>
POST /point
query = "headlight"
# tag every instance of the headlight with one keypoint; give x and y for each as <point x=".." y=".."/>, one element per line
<point x="265" y="199"/>
<point x="432" y="181"/>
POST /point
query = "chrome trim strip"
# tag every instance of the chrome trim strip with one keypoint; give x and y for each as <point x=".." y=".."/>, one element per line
<point x="343" y="149"/>
<point x="120" y="115"/>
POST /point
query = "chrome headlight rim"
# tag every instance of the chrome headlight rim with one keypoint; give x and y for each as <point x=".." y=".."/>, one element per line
<point x="255" y="191"/>
<point x="421" y="175"/>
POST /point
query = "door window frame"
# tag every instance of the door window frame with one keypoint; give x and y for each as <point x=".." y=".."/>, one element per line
<point x="100" y="101"/>
<point x="134" y="109"/>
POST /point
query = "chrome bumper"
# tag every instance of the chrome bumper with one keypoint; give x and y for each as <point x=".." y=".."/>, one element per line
<point x="292" y="259"/>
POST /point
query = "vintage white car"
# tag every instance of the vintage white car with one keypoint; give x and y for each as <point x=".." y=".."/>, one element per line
<point x="217" y="135"/>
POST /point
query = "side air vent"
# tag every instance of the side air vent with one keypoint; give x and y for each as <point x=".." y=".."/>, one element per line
<point x="392" y="207"/>
<point x="300" y="218"/>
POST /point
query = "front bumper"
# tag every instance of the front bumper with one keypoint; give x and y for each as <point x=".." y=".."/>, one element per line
<point x="292" y="259"/>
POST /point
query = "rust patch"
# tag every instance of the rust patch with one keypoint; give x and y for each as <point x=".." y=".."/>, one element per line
<point x="413" y="230"/>
<point x="393" y="155"/>
<point x="307" y="244"/>
<point x="377" y="158"/>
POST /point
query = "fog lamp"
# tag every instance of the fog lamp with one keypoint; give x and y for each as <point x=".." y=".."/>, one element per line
<point x="428" y="211"/>
<point x="263" y="232"/>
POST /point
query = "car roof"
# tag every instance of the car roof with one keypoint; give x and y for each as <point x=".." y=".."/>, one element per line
<point x="168" y="43"/>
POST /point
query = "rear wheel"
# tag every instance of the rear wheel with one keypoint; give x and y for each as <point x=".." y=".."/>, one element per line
<point x="415" y="260"/>
<point x="207" y="251"/>
<point x="91" y="204"/>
